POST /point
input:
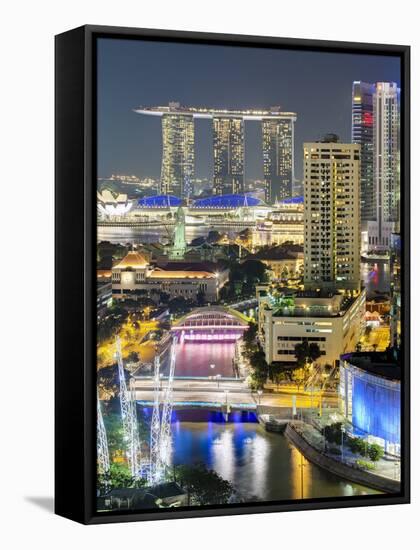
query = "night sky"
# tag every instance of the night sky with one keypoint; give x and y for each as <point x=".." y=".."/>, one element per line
<point x="131" y="73"/>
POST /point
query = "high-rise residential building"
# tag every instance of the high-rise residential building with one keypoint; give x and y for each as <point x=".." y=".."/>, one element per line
<point x="178" y="155"/>
<point x="278" y="157"/>
<point x="228" y="155"/>
<point x="362" y="133"/>
<point x="386" y="168"/>
<point x="332" y="215"/>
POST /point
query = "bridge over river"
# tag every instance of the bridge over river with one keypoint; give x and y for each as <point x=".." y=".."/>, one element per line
<point x="204" y="369"/>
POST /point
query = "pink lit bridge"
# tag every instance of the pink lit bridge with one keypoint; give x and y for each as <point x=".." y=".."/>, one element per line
<point x="210" y="324"/>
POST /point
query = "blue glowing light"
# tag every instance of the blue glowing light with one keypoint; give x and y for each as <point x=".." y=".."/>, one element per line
<point x="159" y="201"/>
<point x="376" y="408"/>
<point x="227" y="201"/>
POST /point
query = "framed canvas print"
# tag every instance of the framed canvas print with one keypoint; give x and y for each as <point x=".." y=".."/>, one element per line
<point x="232" y="274"/>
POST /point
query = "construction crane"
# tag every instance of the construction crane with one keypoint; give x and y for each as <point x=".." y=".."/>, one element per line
<point x="128" y="417"/>
<point x="102" y="451"/>
<point x="165" y="428"/>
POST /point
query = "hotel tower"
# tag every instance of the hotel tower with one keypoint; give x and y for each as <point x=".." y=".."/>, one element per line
<point x="228" y="148"/>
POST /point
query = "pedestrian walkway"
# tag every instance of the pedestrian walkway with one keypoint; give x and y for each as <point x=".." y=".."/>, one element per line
<point x="311" y="430"/>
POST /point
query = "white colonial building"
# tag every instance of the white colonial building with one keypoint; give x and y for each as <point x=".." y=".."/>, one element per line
<point x="134" y="275"/>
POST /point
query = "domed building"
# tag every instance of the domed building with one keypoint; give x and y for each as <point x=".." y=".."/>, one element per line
<point x="227" y="201"/>
<point x="159" y="201"/>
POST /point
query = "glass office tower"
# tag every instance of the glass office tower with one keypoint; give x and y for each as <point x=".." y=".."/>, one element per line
<point x="362" y="134"/>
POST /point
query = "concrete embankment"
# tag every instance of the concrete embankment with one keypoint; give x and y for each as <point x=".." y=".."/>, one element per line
<point x="338" y="468"/>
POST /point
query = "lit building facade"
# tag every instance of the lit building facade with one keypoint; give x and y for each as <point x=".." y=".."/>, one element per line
<point x="395" y="280"/>
<point x="110" y="205"/>
<point x="278" y="157"/>
<point x="376" y="128"/>
<point x="178" y="155"/>
<point x="228" y="151"/>
<point x="370" y="398"/>
<point x="103" y="298"/>
<point x="228" y="148"/>
<point x="386" y="168"/>
<point x="362" y="134"/>
<point x="332" y="321"/>
<point x="134" y="276"/>
<point x="332" y="215"/>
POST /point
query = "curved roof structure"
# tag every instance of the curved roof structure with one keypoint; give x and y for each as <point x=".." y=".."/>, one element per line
<point x="293" y="200"/>
<point x="159" y="201"/>
<point x="227" y="201"/>
<point x="211" y="316"/>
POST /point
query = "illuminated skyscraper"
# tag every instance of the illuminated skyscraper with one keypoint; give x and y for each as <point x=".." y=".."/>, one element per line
<point x="228" y="148"/>
<point x="178" y="154"/>
<point x="375" y="127"/>
<point x="362" y="133"/>
<point x="386" y="168"/>
<point x="228" y="151"/>
<point x="332" y="215"/>
<point x="278" y="155"/>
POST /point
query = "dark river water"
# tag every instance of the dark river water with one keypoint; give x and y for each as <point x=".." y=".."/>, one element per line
<point x="260" y="465"/>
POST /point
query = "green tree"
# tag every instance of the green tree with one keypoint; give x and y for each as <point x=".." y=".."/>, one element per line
<point x="259" y="367"/>
<point x="375" y="452"/>
<point x="203" y="484"/>
<point x="178" y="305"/>
<point x="250" y="335"/>
<point x="108" y="380"/>
<point x="306" y="353"/>
<point x="118" y="477"/>
<point x="333" y="433"/>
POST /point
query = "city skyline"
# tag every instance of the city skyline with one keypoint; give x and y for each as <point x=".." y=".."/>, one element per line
<point x="135" y="73"/>
<point x="212" y="308"/>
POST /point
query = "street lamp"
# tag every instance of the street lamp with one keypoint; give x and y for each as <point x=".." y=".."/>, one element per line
<point x="218" y="377"/>
<point x="226" y="400"/>
<point x="259" y="396"/>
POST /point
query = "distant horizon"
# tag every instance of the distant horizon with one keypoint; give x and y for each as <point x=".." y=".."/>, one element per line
<point x="135" y="73"/>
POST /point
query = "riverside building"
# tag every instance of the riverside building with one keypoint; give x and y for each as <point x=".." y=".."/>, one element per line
<point x="332" y="215"/>
<point x="333" y="321"/>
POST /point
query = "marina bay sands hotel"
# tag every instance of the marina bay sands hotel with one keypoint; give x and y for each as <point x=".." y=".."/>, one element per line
<point x="228" y="149"/>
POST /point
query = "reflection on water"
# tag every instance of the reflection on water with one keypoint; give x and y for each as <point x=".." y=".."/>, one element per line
<point x="375" y="277"/>
<point x="194" y="359"/>
<point x="261" y="465"/>
<point x="139" y="235"/>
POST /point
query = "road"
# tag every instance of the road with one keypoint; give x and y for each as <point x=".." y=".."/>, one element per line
<point x="235" y="392"/>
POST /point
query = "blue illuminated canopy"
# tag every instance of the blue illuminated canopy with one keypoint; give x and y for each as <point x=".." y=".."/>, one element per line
<point x="159" y="201"/>
<point x="293" y="200"/>
<point x="227" y="201"/>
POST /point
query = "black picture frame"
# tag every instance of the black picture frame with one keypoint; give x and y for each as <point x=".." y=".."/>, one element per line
<point x="75" y="279"/>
